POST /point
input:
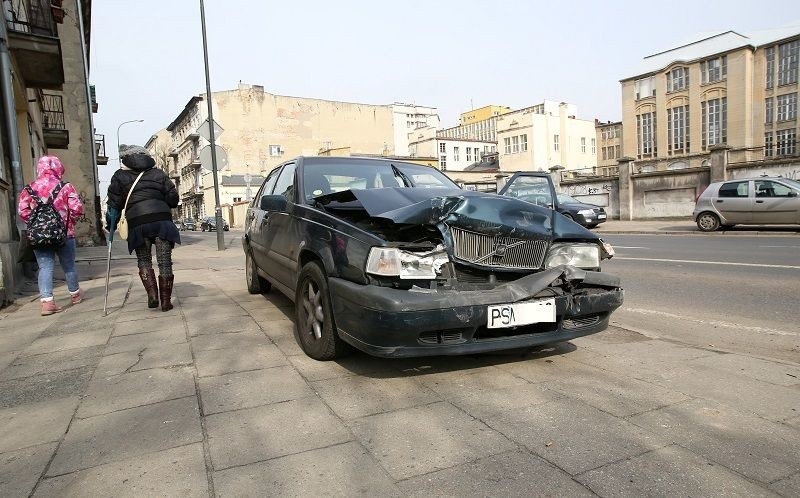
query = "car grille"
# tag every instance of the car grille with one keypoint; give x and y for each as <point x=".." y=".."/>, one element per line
<point x="498" y="251"/>
<point x="580" y="322"/>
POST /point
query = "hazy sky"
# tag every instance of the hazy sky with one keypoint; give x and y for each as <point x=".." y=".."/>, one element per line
<point x="147" y="58"/>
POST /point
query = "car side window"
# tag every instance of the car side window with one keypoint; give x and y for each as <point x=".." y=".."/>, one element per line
<point x="734" y="189"/>
<point x="266" y="188"/>
<point x="766" y="188"/>
<point x="285" y="184"/>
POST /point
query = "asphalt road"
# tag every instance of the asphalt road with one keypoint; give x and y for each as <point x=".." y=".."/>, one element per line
<point x="734" y="293"/>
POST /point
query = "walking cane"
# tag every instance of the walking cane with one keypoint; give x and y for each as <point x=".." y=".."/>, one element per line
<point x="108" y="271"/>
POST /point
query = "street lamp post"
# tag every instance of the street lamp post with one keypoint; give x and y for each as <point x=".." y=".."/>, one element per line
<point x="120" y="126"/>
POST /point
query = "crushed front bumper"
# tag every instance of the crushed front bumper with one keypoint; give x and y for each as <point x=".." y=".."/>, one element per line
<point x="394" y="323"/>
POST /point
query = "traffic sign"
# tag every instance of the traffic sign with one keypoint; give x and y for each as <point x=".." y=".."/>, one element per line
<point x="203" y="130"/>
<point x="205" y="158"/>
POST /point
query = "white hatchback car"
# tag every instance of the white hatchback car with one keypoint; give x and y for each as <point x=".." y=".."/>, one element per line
<point x="748" y="201"/>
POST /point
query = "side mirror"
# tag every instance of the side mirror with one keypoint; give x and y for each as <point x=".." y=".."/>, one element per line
<point x="273" y="203"/>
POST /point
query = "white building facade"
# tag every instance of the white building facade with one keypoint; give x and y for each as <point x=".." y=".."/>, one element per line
<point x="405" y="119"/>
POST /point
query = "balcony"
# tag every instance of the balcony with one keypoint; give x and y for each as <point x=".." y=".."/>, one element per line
<point x="94" y="98"/>
<point x="56" y="135"/>
<point x="33" y="40"/>
<point x="100" y="149"/>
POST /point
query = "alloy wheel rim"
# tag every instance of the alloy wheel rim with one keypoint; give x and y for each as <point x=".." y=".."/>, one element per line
<point x="706" y="221"/>
<point x="312" y="304"/>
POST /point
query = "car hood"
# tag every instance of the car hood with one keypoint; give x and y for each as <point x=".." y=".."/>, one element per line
<point x="468" y="210"/>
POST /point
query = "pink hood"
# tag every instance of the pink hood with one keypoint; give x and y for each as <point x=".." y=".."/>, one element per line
<point x="68" y="202"/>
<point x="50" y="166"/>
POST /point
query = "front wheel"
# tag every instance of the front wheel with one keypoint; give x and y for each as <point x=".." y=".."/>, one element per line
<point x="255" y="284"/>
<point x="314" y="323"/>
<point x="707" y="222"/>
<point x="568" y="216"/>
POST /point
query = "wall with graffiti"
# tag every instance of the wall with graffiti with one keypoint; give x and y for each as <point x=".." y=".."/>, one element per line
<point x="603" y="193"/>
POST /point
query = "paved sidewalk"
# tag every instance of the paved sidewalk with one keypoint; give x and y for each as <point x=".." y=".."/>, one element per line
<point x="216" y="399"/>
<point x="686" y="226"/>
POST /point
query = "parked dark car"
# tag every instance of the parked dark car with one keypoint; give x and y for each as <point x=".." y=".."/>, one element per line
<point x="210" y="223"/>
<point x="394" y="259"/>
<point x="189" y="224"/>
<point x="537" y="188"/>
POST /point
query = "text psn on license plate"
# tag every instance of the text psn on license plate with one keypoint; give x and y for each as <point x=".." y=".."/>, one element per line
<point x="514" y="315"/>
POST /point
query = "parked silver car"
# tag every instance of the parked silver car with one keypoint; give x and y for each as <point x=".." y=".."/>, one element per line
<point x="748" y="201"/>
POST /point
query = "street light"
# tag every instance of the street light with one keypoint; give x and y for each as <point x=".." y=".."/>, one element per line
<point x="120" y="126"/>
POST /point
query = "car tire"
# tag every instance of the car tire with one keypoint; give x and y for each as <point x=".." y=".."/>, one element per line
<point x="708" y="222"/>
<point x="568" y="216"/>
<point x="315" y="328"/>
<point x="593" y="225"/>
<point x="726" y="227"/>
<point x="255" y="283"/>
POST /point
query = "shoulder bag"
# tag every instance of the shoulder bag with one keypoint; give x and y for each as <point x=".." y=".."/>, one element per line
<point x="122" y="225"/>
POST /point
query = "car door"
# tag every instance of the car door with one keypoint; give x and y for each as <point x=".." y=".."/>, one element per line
<point x="255" y="222"/>
<point x="280" y="233"/>
<point x="775" y="203"/>
<point x="734" y="201"/>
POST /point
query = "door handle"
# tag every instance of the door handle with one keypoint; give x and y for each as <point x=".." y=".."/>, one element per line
<point x="720" y="200"/>
<point x="759" y="202"/>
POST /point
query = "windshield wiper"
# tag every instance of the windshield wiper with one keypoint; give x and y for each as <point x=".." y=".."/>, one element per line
<point x="402" y="176"/>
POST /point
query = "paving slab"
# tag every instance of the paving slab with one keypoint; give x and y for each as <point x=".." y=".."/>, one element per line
<point x="148" y="340"/>
<point x="511" y="474"/>
<point x="424" y="439"/>
<point x="26" y="366"/>
<point x="16" y="335"/>
<point x="355" y="396"/>
<point x="77" y="340"/>
<point x="224" y="361"/>
<point x="173" y="472"/>
<point x="483" y="379"/>
<point x="340" y="470"/>
<point x="288" y="344"/>
<point x="487" y="403"/>
<point x="171" y="322"/>
<point x="128" y="433"/>
<point x="754" y="447"/>
<point x="573" y="435"/>
<point x="781" y="374"/>
<point x="20" y="470"/>
<point x="669" y="471"/>
<point x="787" y="487"/>
<point x="254" y="434"/>
<point x="355" y="364"/>
<point x="552" y="368"/>
<point x="248" y="389"/>
<point x="222" y="325"/>
<point x="77" y="321"/>
<point x="29" y="425"/>
<point x="110" y="394"/>
<point x="167" y="356"/>
<point x="136" y="310"/>
<point x="202" y="312"/>
<point x="53" y="385"/>
<point x="240" y="340"/>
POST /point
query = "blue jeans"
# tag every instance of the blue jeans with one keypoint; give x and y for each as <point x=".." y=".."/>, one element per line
<point x="46" y="259"/>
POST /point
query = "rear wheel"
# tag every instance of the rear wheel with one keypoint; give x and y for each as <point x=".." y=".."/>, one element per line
<point x="707" y="222"/>
<point x="314" y="323"/>
<point x="255" y="283"/>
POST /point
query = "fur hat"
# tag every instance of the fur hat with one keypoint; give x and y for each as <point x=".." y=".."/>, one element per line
<point x="129" y="150"/>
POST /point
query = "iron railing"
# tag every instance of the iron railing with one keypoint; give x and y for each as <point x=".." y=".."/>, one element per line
<point x="778" y="150"/>
<point x="53" y="112"/>
<point x="100" y="145"/>
<point x="30" y="16"/>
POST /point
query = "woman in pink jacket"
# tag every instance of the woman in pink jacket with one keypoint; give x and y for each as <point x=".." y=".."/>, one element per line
<point x="69" y="206"/>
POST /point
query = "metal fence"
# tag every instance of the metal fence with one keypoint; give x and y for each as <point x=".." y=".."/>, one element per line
<point x="30" y="16"/>
<point x="100" y="145"/>
<point x="53" y="112"/>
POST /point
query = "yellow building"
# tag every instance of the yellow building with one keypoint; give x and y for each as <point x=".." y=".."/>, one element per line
<point x="609" y="146"/>
<point x="482" y="113"/>
<point x="727" y="89"/>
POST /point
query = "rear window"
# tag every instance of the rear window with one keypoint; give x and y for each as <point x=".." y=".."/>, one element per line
<point x="734" y="189"/>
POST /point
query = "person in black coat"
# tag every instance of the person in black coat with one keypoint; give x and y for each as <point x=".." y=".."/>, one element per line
<point x="149" y="218"/>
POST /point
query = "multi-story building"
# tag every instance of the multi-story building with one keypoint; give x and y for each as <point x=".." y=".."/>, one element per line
<point x="727" y="89"/>
<point x="453" y="154"/>
<point x="259" y="130"/>
<point x="408" y="117"/>
<point x="47" y="109"/>
<point x="160" y="147"/>
<point x="549" y="134"/>
<point x="609" y="146"/>
<point x="482" y="113"/>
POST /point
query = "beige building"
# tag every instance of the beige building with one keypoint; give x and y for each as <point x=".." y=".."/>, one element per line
<point x="727" y="89"/>
<point x="540" y="137"/>
<point x="452" y="154"/>
<point x="609" y="145"/>
<point x="48" y="109"/>
<point x="482" y="113"/>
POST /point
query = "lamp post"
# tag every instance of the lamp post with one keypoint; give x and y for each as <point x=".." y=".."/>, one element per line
<point x="120" y="126"/>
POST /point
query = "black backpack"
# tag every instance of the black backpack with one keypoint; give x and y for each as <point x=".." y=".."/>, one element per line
<point x="46" y="228"/>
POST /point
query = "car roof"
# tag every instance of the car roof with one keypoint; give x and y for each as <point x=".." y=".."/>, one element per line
<point x="754" y="178"/>
<point x="351" y="159"/>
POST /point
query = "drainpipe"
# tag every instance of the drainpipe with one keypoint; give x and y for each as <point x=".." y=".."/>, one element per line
<point x="7" y="91"/>
<point x="97" y="222"/>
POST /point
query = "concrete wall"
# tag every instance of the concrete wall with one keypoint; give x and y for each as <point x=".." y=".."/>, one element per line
<point x="602" y="192"/>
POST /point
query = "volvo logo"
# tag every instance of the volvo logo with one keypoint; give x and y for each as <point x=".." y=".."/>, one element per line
<point x="500" y="250"/>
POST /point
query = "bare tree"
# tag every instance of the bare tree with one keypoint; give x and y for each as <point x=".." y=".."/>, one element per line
<point x="162" y="157"/>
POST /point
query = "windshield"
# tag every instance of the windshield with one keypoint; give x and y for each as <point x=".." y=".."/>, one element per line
<point x="791" y="183"/>
<point x="533" y="189"/>
<point x="326" y="178"/>
<point x="566" y="199"/>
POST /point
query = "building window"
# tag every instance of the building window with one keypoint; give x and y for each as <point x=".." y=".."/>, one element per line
<point x="787" y="107"/>
<point x="583" y="145"/>
<point x="594" y="146"/>
<point x="768" y="151"/>
<point x="715" y="122"/>
<point x="678" y="130"/>
<point x="644" y="88"/>
<point x="469" y="154"/>
<point x="455" y="154"/>
<point x="515" y="144"/>
<point x="523" y="143"/>
<point x="442" y="147"/>
<point x="605" y="153"/>
<point x="507" y="145"/>
<point x="555" y="143"/>
<point x="646" y="134"/>
<point x="678" y="79"/>
<point x="275" y="150"/>
<point x="713" y="70"/>
<point x="785" y="142"/>
<point x="443" y="163"/>
<point x="770" y="67"/>
<point x="788" y="62"/>
<point x="769" y="114"/>
<point x="616" y="151"/>
<point x="237" y="199"/>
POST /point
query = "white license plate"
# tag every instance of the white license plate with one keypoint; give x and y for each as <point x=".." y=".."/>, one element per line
<point x="601" y="216"/>
<point x="514" y="315"/>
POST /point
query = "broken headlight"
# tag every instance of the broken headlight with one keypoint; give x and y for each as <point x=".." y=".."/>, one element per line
<point x="393" y="262"/>
<point x="585" y="256"/>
